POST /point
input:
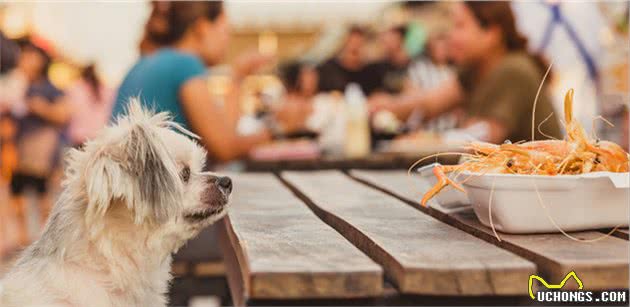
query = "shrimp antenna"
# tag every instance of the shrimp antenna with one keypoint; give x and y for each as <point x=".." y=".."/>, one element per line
<point x="593" y="125"/>
<point x="541" y="123"/>
<point x="411" y="168"/>
<point x="536" y="99"/>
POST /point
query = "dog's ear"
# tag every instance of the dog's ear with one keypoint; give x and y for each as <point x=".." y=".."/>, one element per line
<point x="134" y="167"/>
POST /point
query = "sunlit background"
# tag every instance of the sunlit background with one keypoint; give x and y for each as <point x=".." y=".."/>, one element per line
<point x="587" y="43"/>
<point x="108" y="34"/>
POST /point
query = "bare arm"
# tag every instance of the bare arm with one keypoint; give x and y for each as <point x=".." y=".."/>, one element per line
<point x="244" y="65"/>
<point x="209" y="121"/>
<point x="431" y="103"/>
<point x="57" y="113"/>
<point x="496" y="133"/>
<point x="293" y="114"/>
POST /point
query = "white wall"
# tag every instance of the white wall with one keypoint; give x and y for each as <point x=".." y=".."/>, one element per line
<point x="105" y="32"/>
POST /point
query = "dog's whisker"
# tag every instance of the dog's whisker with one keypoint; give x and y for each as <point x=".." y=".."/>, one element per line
<point x="206" y="173"/>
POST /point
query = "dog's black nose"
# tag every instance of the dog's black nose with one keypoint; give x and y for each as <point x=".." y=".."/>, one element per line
<point x="225" y="183"/>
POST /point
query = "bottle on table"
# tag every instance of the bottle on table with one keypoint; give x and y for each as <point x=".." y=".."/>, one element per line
<point x="357" y="141"/>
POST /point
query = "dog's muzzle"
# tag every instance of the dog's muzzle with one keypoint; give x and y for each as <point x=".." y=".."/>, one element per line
<point x="214" y="198"/>
<point x="225" y="184"/>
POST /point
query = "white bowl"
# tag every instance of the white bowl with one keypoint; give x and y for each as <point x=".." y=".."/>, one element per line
<point x="546" y="204"/>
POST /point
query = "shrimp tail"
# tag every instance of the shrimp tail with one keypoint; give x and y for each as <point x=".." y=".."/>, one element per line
<point x="575" y="131"/>
<point x="442" y="182"/>
<point x="568" y="106"/>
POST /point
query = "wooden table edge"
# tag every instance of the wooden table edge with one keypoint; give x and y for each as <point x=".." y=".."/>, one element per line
<point x="235" y="263"/>
<point x="543" y="263"/>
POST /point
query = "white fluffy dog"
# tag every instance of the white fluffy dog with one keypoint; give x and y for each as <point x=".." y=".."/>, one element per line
<point x="131" y="197"/>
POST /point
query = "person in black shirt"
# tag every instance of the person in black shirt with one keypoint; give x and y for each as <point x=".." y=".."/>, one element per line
<point x="9" y="52"/>
<point x="348" y="66"/>
<point x="300" y="80"/>
<point x="393" y="68"/>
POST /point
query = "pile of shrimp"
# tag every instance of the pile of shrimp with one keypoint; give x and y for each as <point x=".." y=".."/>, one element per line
<point x="576" y="154"/>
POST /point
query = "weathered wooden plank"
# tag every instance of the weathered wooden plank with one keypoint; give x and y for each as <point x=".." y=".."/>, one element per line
<point x="373" y="161"/>
<point x="237" y="270"/>
<point x="601" y="265"/>
<point x="419" y="253"/>
<point x="619" y="233"/>
<point x="284" y="251"/>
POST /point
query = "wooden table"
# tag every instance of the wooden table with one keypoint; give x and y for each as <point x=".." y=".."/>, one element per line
<point x="380" y="161"/>
<point x="329" y="237"/>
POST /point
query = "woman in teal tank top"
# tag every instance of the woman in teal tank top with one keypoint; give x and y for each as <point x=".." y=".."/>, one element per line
<point x="173" y="78"/>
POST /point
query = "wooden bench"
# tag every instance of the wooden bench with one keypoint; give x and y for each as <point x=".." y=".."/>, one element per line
<point x="323" y="237"/>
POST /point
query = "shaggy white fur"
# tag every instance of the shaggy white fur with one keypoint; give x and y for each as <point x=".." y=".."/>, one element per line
<point x="132" y="196"/>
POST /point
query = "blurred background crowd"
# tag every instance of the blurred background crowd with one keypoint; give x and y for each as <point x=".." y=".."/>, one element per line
<point x="297" y="80"/>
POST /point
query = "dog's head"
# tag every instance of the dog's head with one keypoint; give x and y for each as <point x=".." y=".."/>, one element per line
<point x="141" y="172"/>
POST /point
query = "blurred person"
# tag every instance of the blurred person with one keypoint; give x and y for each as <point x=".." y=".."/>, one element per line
<point x="430" y="71"/>
<point x="9" y="53"/>
<point x="433" y="68"/>
<point x="348" y="66"/>
<point x="437" y="48"/>
<point x="14" y="81"/>
<point x="13" y="86"/>
<point x="8" y="150"/>
<point x="300" y="80"/>
<point x="404" y="73"/>
<point x="301" y="83"/>
<point x="8" y="163"/>
<point x="39" y="135"/>
<point x="497" y="78"/>
<point x="403" y="67"/>
<point x="156" y="30"/>
<point x="393" y="68"/>
<point x="91" y="102"/>
<point x="173" y="79"/>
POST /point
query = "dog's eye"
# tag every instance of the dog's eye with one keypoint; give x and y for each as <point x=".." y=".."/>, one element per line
<point x="185" y="174"/>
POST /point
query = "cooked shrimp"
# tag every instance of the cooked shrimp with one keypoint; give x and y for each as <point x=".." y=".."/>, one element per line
<point x="576" y="154"/>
